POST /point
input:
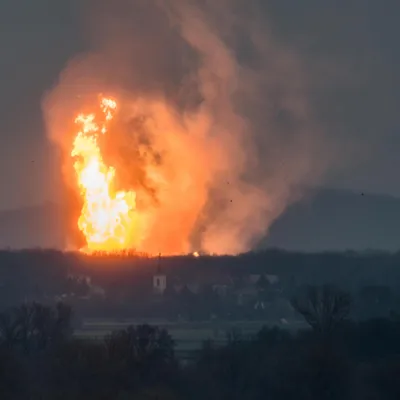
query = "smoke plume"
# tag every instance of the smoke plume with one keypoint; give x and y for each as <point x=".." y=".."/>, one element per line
<point x="214" y="133"/>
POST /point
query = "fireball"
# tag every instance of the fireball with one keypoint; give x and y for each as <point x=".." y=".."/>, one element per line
<point x="108" y="217"/>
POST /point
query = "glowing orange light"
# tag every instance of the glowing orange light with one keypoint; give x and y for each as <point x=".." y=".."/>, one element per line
<point x="108" y="217"/>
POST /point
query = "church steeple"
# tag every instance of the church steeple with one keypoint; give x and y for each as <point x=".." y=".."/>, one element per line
<point x="158" y="271"/>
<point x="159" y="279"/>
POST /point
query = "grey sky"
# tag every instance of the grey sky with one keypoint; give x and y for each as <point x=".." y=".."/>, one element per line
<point x="351" y="44"/>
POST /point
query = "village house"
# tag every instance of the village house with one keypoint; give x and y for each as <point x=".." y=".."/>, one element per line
<point x="250" y="288"/>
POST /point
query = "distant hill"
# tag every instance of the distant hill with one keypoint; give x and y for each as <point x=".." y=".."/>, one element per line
<point x="338" y="220"/>
<point x="330" y="220"/>
<point x="41" y="226"/>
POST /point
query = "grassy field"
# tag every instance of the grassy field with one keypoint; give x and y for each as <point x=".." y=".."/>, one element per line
<point x="188" y="336"/>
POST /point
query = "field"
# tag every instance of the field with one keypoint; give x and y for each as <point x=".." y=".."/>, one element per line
<point x="188" y="336"/>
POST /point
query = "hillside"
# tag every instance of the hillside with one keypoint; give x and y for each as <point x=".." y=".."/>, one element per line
<point x="339" y="220"/>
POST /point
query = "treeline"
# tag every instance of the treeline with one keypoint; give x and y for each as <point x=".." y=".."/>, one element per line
<point x="48" y="269"/>
<point x="335" y="359"/>
<point x="373" y="279"/>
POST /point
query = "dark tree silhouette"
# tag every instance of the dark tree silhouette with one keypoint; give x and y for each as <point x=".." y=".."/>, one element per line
<point x="34" y="327"/>
<point x="141" y="343"/>
<point x="143" y="355"/>
<point x="40" y="360"/>
<point x="323" y="307"/>
<point x="8" y="329"/>
<point x="10" y="376"/>
<point x="263" y="283"/>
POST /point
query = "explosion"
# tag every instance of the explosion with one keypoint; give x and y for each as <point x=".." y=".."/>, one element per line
<point x="211" y="138"/>
<point x="108" y="216"/>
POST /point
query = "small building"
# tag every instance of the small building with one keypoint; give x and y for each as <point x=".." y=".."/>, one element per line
<point x="159" y="282"/>
<point x="80" y="278"/>
<point x="222" y="284"/>
<point x="246" y="295"/>
<point x="253" y="279"/>
<point x="96" y="290"/>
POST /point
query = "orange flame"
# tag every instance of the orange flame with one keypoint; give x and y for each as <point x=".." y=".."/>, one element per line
<point x="108" y="218"/>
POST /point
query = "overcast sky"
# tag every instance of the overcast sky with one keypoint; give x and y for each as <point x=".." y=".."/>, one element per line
<point x="355" y="38"/>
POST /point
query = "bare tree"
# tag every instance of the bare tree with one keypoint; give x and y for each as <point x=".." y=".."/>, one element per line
<point x="34" y="327"/>
<point x="143" y="342"/>
<point x="9" y="330"/>
<point x="323" y="307"/>
<point x="142" y="355"/>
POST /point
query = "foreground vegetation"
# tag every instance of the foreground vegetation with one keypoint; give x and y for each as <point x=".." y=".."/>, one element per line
<point x="334" y="359"/>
